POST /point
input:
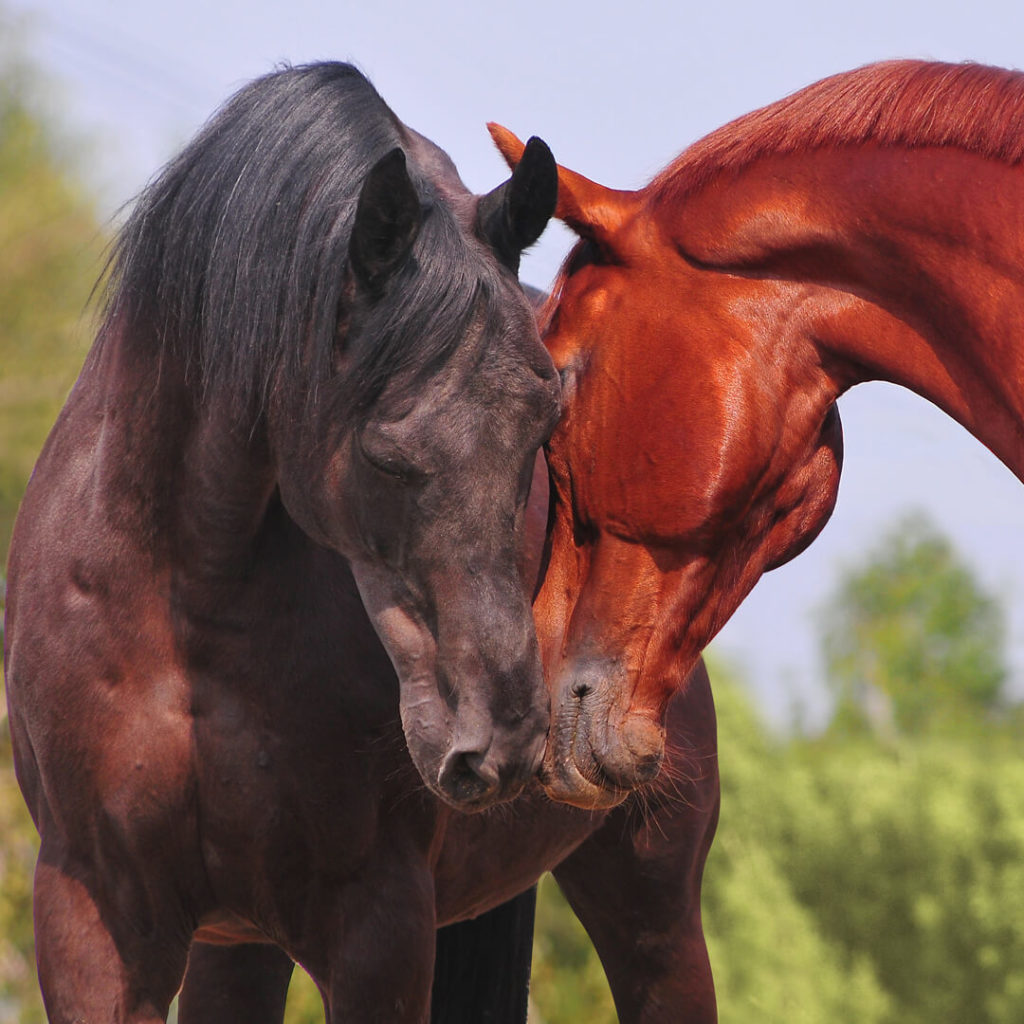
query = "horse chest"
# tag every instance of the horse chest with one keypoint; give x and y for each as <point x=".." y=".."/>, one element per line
<point x="488" y="858"/>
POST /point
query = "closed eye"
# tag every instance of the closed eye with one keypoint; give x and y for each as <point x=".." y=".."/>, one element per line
<point x="391" y="467"/>
<point x="381" y="452"/>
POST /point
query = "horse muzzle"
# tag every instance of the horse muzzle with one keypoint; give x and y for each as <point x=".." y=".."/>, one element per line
<point x="480" y="770"/>
<point x="478" y="737"/>
<point x="597" y="753"/>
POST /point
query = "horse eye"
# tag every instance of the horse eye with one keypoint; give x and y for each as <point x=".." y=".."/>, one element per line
<point x="390" y="467"/>
<point x="383" y="454"/>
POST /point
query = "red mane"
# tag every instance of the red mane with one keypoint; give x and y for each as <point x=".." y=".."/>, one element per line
<point x="896" y="103"/>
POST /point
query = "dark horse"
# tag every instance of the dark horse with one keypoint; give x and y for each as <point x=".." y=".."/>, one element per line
<point x="315" y="367"/>
<point x="406" y="861"/>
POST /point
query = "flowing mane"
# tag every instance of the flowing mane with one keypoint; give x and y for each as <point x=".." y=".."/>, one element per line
<point x="896" y="103"/>
<point x="232" y="258"/>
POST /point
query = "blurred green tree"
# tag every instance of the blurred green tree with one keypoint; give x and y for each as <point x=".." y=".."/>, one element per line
<point x="50" y="250"/>
<point x="304" y="1003"/>
<point x="910" y="858"/>
<point x="568" y="982"/>
<point x="773" y="963"/>
<point x="849" y="881"/>
<point x="912" y="643"/>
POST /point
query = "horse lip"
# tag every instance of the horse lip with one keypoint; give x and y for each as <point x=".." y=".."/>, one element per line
<point x="571" y="778"/>
<point x="574" y="770"/>
<point x="503" y="795"/>
<point x="485" y="801"/>
<point x="566" y="784"/>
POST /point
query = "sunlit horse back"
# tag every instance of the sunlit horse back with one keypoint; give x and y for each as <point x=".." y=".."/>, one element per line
<point x="314" y="348"/>
<point x="865" y="228"/>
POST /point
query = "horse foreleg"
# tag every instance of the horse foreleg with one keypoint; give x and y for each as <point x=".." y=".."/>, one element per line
<point x="245" y="984"/>
<point x="380" y="963"/>
<point x="643" y="916"/>
<point x="89" y="975"/>
<point x="635" y="884"/>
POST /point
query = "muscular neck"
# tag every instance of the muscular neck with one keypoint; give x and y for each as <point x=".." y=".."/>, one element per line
<point x="177" y="474"/>
<point x="912" y="267"/>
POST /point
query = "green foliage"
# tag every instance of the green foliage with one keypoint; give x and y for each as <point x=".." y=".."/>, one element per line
<point x="304" y="1003"/>
<point x="914" y="860"/>
<point x="49" y="256"/>
<point x="912" y="643"/>
<point x="905" y="864"/>
<point x="568" y="983"/>
<point x="771" y="958"/>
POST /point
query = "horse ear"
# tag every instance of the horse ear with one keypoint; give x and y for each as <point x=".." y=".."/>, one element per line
<point x="591" y="210"/>
<point x="513" y="216"/>
<point x="387" y="222"/>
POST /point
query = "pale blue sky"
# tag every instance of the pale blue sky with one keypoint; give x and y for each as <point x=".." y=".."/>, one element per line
<point x="616" y="90"/>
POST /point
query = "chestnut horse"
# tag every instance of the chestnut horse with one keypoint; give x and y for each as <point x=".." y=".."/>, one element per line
<point x="865" y="228"/>
<point x="316" y="372"/>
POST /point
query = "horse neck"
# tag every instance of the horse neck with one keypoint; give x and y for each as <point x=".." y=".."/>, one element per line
<point x="916" y="268"/>
<point x="185" y="478"/>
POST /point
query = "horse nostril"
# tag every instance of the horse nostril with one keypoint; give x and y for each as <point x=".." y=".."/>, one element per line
<point x="466" y="778"/>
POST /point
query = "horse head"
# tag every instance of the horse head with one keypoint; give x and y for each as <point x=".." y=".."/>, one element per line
<point x="337" y="328"/>
<point x="424" y="488"/>
<point x="681" y="471"/>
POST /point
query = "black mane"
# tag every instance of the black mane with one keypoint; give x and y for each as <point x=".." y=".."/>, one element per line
<point x="232" y="259"/>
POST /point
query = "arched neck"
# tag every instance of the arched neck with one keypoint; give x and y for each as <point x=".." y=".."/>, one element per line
<point x="180" y="473"/>
<point x="904" y="265"/>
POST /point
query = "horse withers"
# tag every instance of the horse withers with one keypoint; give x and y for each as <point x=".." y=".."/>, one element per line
<point x="315" y="357"/>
